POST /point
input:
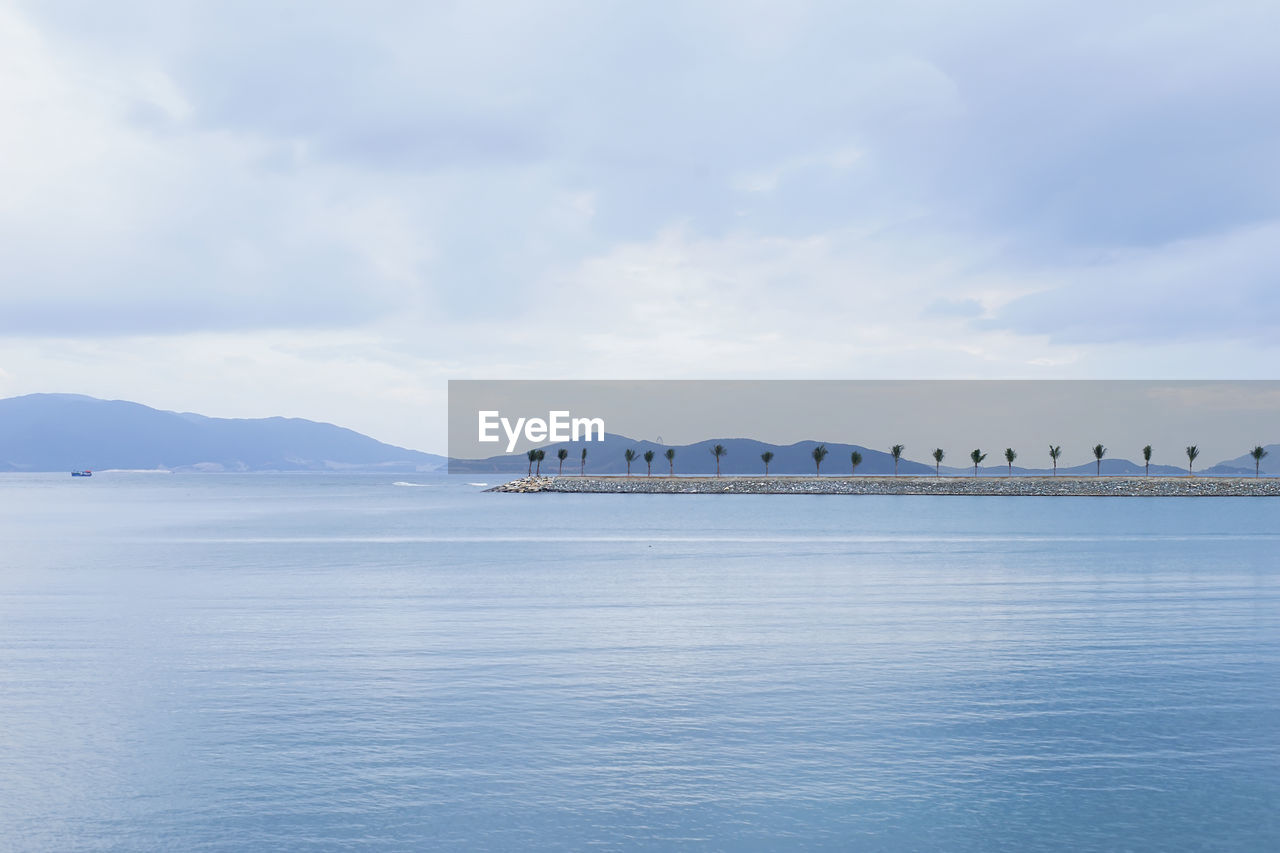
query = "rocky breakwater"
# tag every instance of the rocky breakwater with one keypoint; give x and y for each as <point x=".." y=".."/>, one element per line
<point x="527" y="484"/>
<point x="976" y="486"/>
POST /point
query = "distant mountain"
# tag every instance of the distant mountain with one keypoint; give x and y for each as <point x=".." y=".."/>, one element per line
<point x="63" y="432"/>
<point x="1110" y="468"/>
<point x="691" y="459"/>
<point x="1244" y="463"/>
<point x="744" y="458"/>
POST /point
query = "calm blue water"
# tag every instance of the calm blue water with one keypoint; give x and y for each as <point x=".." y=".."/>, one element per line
<point x="335" y="662"/>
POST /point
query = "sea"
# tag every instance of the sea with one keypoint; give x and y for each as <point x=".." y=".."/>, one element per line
<point x="229" y="662"/>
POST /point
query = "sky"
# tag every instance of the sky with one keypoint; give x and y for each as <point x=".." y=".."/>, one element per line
<point x="329" y="210"/>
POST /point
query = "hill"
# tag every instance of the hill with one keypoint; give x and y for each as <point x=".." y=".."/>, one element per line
<point x="743" y="458"/>
<point x="63" y="432"/>
<point x="1244" y="463"/>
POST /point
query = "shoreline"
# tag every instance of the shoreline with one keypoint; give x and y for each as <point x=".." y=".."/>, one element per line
<point x="1066" y="486"/>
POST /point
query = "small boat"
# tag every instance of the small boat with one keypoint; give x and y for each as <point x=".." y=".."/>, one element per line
<point x="85" y="473"/>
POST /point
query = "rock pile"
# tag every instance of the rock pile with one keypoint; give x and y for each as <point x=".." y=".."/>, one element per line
<point x="984" y="486"/>
<point x="527" y="484"/>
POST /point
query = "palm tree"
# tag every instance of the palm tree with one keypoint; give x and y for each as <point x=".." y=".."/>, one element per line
<point x="1054" y="452"/>
<point x="533" y="457"/>
<point x="1146" y="458"/>
<point x="582" y="465"/>
<point x="718" y="451"/>
<point x="630" y="456"/>
<point x="1098" y="452"/>
<point x="819" y="453"/>
<point x="648" y="462"/>
<point x="1258" y="453"/>
<point x="977" y="456"/>
<point x="1009" y="455"/>
<point x="542" y="454"/>
<point x="671" y="461"/>
<point x="562" y="454"/>
<point x="855" y="458"/>
<point x="937" y="461"/>
<point x="896" y="453"/>
<point x="1192" y="452"/>
<point x="766" y="458"/>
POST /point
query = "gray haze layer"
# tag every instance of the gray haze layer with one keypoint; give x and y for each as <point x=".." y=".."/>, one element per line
<point x="1224" y="418"/>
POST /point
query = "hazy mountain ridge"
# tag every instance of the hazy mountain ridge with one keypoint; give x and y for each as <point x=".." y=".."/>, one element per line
<point x="1270" y="463"/>
<point x="60" y="432"/>
<point x="743" y="457"/>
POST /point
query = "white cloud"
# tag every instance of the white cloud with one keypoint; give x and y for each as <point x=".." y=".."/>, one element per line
<point x="660" y="190"/>
<point x="838" y="160"/>
<point x="1223" y="285"/>
<point x="111" y="226"/>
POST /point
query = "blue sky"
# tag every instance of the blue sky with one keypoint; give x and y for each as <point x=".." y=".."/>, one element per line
<point x="327" y="210"/>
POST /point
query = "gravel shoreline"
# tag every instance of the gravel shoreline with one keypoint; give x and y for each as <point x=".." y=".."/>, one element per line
<point x="980" y="486"/>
